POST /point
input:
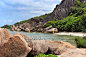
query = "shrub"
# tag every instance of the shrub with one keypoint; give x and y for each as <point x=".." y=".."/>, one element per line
<point x="21" y="22"/>
<point x="43" y="55"/>
<point x="78" y="3"/>
<point x="6" y="26"/>
<point x="81" y="42"/>
<point x="50" y="23"/>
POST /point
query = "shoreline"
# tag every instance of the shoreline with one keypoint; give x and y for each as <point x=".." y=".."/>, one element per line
<point x="80" y="34"/>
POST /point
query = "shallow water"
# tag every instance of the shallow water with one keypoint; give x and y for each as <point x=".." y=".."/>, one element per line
<point x="45" y="36"/>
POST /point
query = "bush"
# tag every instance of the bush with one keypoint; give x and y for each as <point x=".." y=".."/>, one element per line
<point x="50" y="23"/>
<point x="78" y="3"/>
<point x="21" y="22"/>
<point x="43" y="55"/>
<point x="81" y="42"/>
<point x="84" y="37"/>
<point x="6" y="26"/>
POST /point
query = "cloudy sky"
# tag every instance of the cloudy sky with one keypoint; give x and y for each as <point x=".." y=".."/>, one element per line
<point x="12" y="11"/>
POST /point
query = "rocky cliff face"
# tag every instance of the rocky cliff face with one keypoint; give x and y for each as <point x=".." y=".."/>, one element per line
<point x="61" y="10"/>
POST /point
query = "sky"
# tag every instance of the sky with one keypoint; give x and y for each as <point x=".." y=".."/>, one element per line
<point x="12" y="11"/>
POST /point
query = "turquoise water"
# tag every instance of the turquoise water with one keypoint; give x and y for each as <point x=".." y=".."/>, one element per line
<point x="44" y="36"/>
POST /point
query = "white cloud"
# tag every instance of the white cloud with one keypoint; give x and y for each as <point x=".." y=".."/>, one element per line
<point x="29" y="2"/>
<point x="26" y="8"/>
<point x="19" y="1"/>
<point x="52" y="0"/>
<point x="43" y="4"/>
<point x="10" y="21"/>
<point x="2" y="4"/>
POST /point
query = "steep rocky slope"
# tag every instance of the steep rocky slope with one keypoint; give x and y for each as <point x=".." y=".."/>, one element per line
<point x="61" y="10"/>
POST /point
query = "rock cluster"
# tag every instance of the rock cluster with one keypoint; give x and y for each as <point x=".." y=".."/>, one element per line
<point x="20" y="45"/>
<point x="49" y="47"/>
<point x="23" y="27"/>
<point x="38" y="28"/>
<point x="50" y="30"/>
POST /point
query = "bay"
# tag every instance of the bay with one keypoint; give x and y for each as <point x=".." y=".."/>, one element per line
<point x="46" y="36"/>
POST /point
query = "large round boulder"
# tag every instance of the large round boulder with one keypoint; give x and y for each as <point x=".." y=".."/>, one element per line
<point x="12" y="28"/>
<point x="16" y="46"/>
<point x="4" y="36"/>
<point x="26" y="38"/>
<point x="38" y="46"/>
<point x="49" y="47"/>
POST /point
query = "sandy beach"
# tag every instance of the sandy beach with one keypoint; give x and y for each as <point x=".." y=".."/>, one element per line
<point x="80" y="34"/>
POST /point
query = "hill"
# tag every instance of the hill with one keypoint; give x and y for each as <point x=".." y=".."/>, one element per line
<point x="75" y="21"/>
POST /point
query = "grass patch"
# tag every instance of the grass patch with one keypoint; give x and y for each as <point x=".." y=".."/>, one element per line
<point x="43" y="55"/>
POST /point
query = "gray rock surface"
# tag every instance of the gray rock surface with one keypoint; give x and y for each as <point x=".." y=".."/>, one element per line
<point x="4" y="36"/>
<point x="49" y="47"/>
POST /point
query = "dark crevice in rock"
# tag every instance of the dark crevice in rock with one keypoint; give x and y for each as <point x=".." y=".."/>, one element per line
<point x="22" y="30"/>
<point x="48" y="52"/>
<point x="30" y="54"/>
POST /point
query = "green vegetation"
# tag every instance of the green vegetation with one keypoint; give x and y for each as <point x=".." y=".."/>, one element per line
<point x="21" y="22"/>
<point x="75" y="21"/>
<point x="50" y="23"/>
<point x="6" y="26"/>
<point x="43" y="55"/>
<point x="81" y="42"/>
<point x="52" y="39"/>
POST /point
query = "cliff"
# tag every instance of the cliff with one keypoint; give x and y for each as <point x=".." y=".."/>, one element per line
<point x="61" y="10"/>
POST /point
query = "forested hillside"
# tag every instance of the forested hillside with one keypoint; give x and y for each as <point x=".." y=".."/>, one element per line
<point x="75" y="21"/>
